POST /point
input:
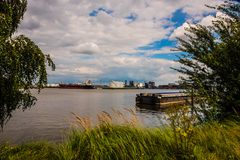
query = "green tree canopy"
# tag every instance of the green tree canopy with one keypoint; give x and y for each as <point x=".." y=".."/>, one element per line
<point x="211" y="63"/>
<point x="22" y="63"/>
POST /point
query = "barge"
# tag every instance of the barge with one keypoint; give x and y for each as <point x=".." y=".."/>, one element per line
<point x="161" y="100"/>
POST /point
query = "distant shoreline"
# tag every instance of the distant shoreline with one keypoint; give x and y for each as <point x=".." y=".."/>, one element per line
<point x="111" y="88"/>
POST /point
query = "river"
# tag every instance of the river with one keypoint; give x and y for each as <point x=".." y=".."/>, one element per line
<point x="52" y="115"/>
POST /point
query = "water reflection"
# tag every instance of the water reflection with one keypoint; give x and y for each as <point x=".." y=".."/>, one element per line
<point x="13" y="101"/>
<point x="52" y="115"/>
<point x="151" y="116"/>
<point x="152" y="108"/>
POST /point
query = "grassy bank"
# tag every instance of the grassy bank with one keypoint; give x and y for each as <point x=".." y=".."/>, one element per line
<point x="207" y="141"/>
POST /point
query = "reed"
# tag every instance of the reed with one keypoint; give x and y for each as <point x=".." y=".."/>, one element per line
<point x="181" y="139"/>
<point x="116" y="117"/>
<point x="218" y="140"/>
<point x="210" y="141"/>
<point x="128" y="140"/>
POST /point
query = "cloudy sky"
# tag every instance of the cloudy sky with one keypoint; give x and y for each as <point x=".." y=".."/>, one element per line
<point x="105" y="40"/>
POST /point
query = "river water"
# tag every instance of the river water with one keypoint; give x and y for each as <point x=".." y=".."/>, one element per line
<point x="52" y="116"/>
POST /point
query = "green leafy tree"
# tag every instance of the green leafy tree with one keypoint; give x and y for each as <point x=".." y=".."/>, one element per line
<point x="211" y="63"/>
<point x="22" y="63"/>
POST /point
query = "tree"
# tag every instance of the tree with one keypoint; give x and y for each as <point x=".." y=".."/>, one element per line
<point x="211" y="63"/>
<point x="22" y="63"/>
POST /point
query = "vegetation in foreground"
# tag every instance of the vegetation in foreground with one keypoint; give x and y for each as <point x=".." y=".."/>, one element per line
<point x="210" y="63"/>
<point x="179" y="140"/>
<point x="22" y="63"/>
<point x="212" y="56"/>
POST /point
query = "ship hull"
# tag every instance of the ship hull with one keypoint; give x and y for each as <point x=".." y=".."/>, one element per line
<point x="76" y="86"/>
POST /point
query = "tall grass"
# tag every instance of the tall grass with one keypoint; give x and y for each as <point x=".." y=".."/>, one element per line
<point x="30" y="151"/>
<point x="114" y="142"/>
<point x="108" y="141"/>
<point x="210" y="141"/>
<point x="217" y="140"/>
<point x="182" y="139"/>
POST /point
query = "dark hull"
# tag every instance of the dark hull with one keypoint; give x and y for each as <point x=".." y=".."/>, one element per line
<point x="157" y="101"/>
<point x="76" y="86"/>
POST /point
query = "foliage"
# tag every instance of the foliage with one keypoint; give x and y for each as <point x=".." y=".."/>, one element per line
<point x="182" y="123"/>
<point x="211" y="63"/>
<point x="22" y="63"/>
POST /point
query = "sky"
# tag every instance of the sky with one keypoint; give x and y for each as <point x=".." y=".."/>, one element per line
<point x="104" y="40"/>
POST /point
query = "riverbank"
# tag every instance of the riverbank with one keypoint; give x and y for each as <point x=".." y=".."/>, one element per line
<point x="206" y="141"/>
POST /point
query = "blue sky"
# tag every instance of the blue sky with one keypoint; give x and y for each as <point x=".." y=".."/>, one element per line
<point x="112" y="40"/>
<point x="178" y="18"/>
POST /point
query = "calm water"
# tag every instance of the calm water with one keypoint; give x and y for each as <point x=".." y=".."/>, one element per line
<point x="52" y="116"/>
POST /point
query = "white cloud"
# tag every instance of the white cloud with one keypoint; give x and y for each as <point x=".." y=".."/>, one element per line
<point x="198" y="7"/>
<point x="179" y="32"/>
<point x="163" y="50"/>
<point x="86" y="48"/>
<point x="87" y="70"/>
<point x="82" y="45"/>
<point x="119" y="68"/>
<point x="207" y="21"/>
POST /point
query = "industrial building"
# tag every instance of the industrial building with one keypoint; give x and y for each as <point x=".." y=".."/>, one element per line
<point x="116" y="84"/>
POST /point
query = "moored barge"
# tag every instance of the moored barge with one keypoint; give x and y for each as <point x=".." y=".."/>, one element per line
<point x="161" y="100"/>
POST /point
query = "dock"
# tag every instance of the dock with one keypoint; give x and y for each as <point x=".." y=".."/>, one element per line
<point x="161" y="100"/>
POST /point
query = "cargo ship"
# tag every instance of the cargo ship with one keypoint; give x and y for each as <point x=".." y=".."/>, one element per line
<point x="85" y="85"/>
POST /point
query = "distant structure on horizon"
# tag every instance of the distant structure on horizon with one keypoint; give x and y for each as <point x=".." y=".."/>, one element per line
<point x="116" y="84"/>
<point x="52" y="85"/>
<point x="171" y="86"/>
<point x="134" y="84"/>
<point x="150" y="85"/>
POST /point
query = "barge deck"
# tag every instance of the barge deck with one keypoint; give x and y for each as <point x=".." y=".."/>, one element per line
<point x="161" y="100"/>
